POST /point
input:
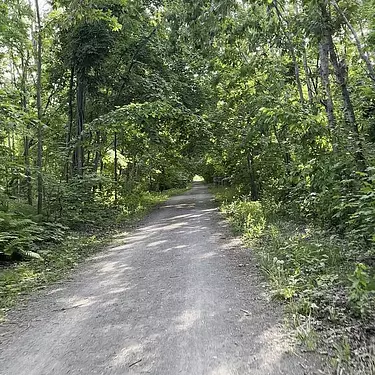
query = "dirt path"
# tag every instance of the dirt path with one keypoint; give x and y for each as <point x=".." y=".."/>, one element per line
<point x="177" y="296"/>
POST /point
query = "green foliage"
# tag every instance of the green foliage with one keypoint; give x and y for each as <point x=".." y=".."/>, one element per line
<point x="361" y="206"/>
<point x="224" y="196"/>
<point x="63" y="249"/>
<point x="362" y="287"/>
<point x="89" y="55"/>
<point x="247" y="217"/>
<point x="21" y="237"/>
<point x="139" y="96"/>
<point x="309" y="268"/>
<point x="91" y="43"/>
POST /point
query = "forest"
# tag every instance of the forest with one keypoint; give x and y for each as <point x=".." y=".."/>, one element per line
<point x="106" y="104"/>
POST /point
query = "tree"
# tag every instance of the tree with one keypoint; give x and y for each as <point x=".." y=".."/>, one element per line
<point x="39" y="106"/>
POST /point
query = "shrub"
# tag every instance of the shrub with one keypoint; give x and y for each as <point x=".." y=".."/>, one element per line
<point x="247" y="217"/>
<point x="22" y="237"/>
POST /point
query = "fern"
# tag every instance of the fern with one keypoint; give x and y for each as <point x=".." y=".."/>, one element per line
<point x="21" y="237"/>
<point x="30" y="254"/>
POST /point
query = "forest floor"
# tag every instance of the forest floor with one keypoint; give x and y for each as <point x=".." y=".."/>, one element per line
<point x="178" y="295"/>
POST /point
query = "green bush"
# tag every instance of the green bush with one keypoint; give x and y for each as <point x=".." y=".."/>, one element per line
<point x="22" y="237"/>
<point x="361" y="289"/>
<point x="308" y="266"/>
<point x="247" y="217"/>
<point x="361" y="223"/>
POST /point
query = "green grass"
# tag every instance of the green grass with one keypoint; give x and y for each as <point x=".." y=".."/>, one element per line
<point x="60" y="259"/>
<point x="321" y="277"/>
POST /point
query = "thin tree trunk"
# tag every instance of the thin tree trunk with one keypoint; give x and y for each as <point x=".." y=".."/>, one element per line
<point x="362" y="54"/>
<point x="70" y="124"/>
<point x="283" y="150"/>
<point x="115" y="165"/>
<point x="79" y="152"/>
<point x="97" y="153"/>
<point x="28" y="171"/>
<point x="101" y="173"/>
<point x="341" y="77"/>
<point x="292" y="53"/>
<point x="26" y="138"/>
<point x="324" y="75"/>
<point x="252" y="172"/>
<point x="39" y="107"/>
<point x="340" y="72"/>
<point x="88" y="158"/>
<point x="307" y="75"/>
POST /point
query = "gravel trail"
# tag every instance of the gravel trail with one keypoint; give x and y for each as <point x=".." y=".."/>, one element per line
<point x="178" y="295"/>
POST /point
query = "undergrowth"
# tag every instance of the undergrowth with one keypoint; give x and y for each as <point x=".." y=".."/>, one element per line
<point x="56" y="258"/>
<point x="326" y="281"/>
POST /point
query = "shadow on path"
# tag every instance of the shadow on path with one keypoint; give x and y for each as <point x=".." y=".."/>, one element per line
<point x="169" y="298"/>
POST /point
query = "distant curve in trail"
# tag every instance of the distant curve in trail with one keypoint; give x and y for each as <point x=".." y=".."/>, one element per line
<point x="176" y="296"/>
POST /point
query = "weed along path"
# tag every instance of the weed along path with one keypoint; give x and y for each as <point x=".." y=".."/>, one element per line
<point x="176" y="296"/>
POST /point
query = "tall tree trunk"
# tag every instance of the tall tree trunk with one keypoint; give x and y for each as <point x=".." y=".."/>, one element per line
<point x="328" y="102"/>
<point x="24" y="67"/>
<point x="69" y="129"/>
<point x="308" y="80"/>
<point x="28" y="170"/>
<point x="341" y="77"/>
<point x="362" y="53"/>
<point x="79" y="152"/>
<point x="252" y="176"/>
<point x="115" y="165"/>
<point x="97" y="153"/>
<point x="39" y="107"/>
<point x="101" y="174"/>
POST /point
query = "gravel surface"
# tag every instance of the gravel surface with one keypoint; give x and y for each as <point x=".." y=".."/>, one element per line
<point x="178" y="295"/>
